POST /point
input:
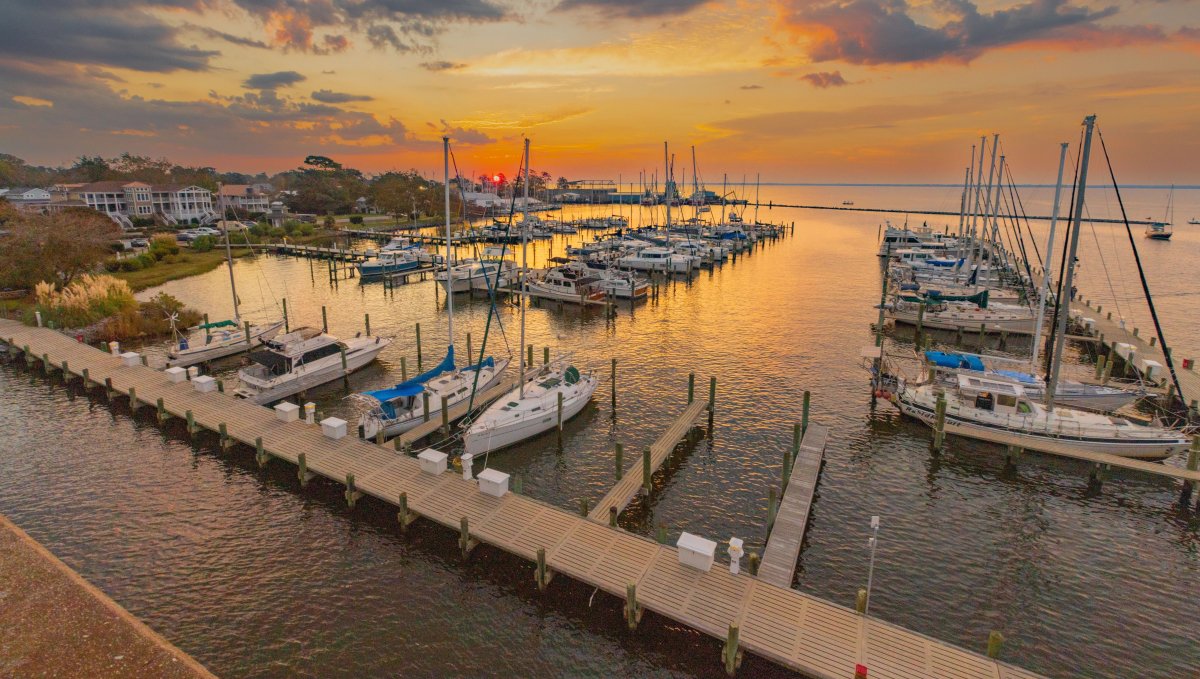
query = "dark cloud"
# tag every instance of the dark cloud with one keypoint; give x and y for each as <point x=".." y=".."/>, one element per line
<point x="634" y="8"/>
<point x="116" y="33"/>
<point x="331" y="97"/>
<point x="270" y="81"/>
<point x="437" y="66"/>
<point x="463" y="135"/>
<point x="824" y="79"/>
<point x="229" y="37"/>
<point x="750" y="87"/>
<point x="381" y="36"/>
<point x="884" y="32"/>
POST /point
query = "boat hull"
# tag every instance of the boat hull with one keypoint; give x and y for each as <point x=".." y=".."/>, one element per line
<point x="309" y="377"/>
<point x="230" y="348"/>
<point x="396" y="427"/>
<point x="504" y="435"/>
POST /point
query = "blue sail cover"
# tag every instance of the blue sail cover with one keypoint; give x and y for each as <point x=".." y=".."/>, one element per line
<point x="952" y="360"/>
<point x="1023" y="378"/>
<point x="413" y="387"/>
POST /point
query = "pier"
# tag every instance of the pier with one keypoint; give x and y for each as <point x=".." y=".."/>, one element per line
<point x="638" y="477"/>
<point x="744" y="612"/>
<point x="787" y="532"/>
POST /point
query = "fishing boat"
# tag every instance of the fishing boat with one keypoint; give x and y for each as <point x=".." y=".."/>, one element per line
<point x="533" y="407"/>
<point x="1001" y="411"/>
<point x="302" y="359"/>
<point x="388" y="262"/>
<point x="395" y="410"/>
<point x="213" y="340"/>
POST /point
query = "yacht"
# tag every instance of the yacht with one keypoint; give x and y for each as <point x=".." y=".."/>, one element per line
<point x="1014" y="320"/>
<point x="612" y="281"/>
<point x="532" y="408"/>
<point x="473" y="274"/>
<point x="566" y="284"/>
<point x="658" y="259"/>
<point x="302" y="359"/>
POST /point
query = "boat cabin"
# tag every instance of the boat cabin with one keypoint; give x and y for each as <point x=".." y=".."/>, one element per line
<point x="1002" y="398"/>
<point x="298" y="347"/>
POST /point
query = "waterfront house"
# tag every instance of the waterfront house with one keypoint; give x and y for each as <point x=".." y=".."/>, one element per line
<point x="248" y="197"/>
<point x="169" y="204"/>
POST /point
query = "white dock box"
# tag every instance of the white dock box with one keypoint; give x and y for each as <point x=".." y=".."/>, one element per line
<point x="333" y="428"/>
<point x="1089" y="323"/>
<point x="1150" y="369"/>
<point x="176" y="375"/>
<point x="1124" y="350"/>
<point x="695" y="551"/>
<point x="432" y="461"/>
<point x="130" y="359"/>
<point x="287" y="412"/>
<point x="204" y="384"/>
<point x="493" y="482"/>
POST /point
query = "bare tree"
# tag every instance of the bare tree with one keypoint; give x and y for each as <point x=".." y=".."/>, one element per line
<point x="54" y="248"/>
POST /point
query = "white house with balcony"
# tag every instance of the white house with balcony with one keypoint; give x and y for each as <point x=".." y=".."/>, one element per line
<point x="164" y="203"/>
<point x="248" y="197"/>
<point x="26" y="196"/>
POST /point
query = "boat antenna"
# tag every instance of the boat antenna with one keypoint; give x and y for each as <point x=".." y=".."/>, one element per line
<point x="1162" y="340"/>
<point x="1073" y="246"/>
<point x="449" y="283"/>
<point x="228" y="254"/>
<point x="524" y="269"/>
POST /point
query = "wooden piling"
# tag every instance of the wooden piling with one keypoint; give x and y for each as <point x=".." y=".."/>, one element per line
<point x="939" y="425"/>
<point x="161" y="410"/>
<point x="324" y="320"/>
<point x="302" y="469"/>
<point x="772" y="508"/>
<point x="529" y="357"/>
<point x="247" y="333"/>
<point x="419" y="348"/>
<point x="425" y="405"/>
<point x="1100" y="363"/>
<point x="542" y="575"/>
<point x="613" y="380"/>
<point x="223" y="433"/>
<point x="633" y="612"/>
<point x="403" y="369"/>
<point x="191" y="423"/>
<point x="465" y="543"/>
<point x="620" y="461"/>
<point x="731" y="654"/>
<point x="646" y="470"/>
<point x="860" y="601"/>
<point x="691" y="387"/>
<point x="404" y="517"/>
<point x="133" y="402"/>
<point x="560" y="420"/>
<point x="545" y="355"/>
<point x="287" y="327"/>
<point x="1193" y="463"/>
<point x="367" y="324"/>
<point x="612" y="517"/>
<point x="352" y="493"/>
<point x="920" y="323"/>
<point x="470" y="353"/>
<point x="755" y="560"/>
<point x="345" y="370"/>
<point x="660" y="534"/>
<point x="804" y="413"/>
<point x="995" y="643"/>
<point x="260" y="454"/>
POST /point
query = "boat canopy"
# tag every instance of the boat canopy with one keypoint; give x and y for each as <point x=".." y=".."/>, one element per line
<point x="218" y="324"/>
<point x="979" y="299"/>
<point x="411" y="387"/>
<point x="953" y="360"/>
<point x="1023" y="378"/>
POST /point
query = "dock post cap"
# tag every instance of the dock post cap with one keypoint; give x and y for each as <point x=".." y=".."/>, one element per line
<point x="204" y="384"/>
<point x="176" y="375"/>
<point x="192" y="372"/>
<point x="735" y="555"/>
<point x="310" y="412"/>
<point x="130" y="359"/>
<point x="467" y="460"/>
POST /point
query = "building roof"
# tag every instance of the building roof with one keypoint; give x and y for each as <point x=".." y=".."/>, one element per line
<point x="119" y="187"/>
<point x="240" y="190"/>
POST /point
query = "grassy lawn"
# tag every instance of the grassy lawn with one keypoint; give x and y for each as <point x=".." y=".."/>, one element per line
<point x="197" y="263"/>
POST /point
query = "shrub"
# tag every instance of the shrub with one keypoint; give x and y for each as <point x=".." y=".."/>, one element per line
<point x="87" y="300"/>
<point x="305" y="229"/>
<point x="170" y="259"/>
<point x="163" y="245"/>
<point x="277" y="233"/>
<point x="112" y="265"/>
<point x="203" y="243"/>
<point x="289" y="227"/>
<point x="148" y="260"/>
<point x="356" y="219"/>
<point x="132" y="264"/>
<point x="261" y="229"/>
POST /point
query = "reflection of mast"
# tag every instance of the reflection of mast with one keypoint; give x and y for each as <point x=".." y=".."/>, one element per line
<point x="449" y="283"/>
<point x="667" y="184"/>
<point x="228" y="254"/>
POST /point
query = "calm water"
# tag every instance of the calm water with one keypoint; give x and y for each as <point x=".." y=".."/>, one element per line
<point x="256" y="577"/>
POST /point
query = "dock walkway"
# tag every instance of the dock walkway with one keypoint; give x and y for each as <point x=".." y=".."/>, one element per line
<point x="1110" y="332"/>
<point x="787" y="534"/>
<point x="456" y="412"/>
<point x="782" y="625"/>
<point x="635" y="478"/>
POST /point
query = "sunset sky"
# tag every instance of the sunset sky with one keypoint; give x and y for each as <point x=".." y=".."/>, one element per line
<point x="841" y="90"/>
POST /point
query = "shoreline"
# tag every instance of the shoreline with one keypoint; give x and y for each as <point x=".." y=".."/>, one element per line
<point x="59" y="624"/>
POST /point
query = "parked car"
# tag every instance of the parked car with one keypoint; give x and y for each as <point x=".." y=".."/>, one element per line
<point x="139" y="243"/>
<point x="186" y="236"/>
<point x="205" y="231"/>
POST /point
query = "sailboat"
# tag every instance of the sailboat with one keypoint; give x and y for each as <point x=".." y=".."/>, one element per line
<point x="220" y="338"/>
<point x="1162" y="230"/>
<point x="979" y="406"/>
<point x="398" y="409"/>
<point x="531" y="408"/>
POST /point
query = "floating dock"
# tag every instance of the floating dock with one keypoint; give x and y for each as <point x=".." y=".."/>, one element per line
<point x="787" y="533"/>
<point x="56" y="624"/>
<point x="745" y="612"/>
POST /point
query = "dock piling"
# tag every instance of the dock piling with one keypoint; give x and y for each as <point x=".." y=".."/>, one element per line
<point x="445" y="416"/>
<point x="731" y="654"/>
<point x="324" y="320"/>
<point x="1193" y="463"/>
<point x="352" y="493"/>
<point x="223" y="432"/>
<point x="465" y="543"/>
<point x="260" y="454"/>
<point x="860" y="601"/>
<point x="646" y="469"/>
<point x="404" y="517"/>
<point x="755" y="561"/>
<point x="418" y="347"/>
<point x="614" y="387"/>
<point x="660" y="533"/>
<point x="286" y="323"/>
<point x="1101" y="362"/>
<point x="545" y="355"/>
<point x="995" y="643"/>
<point x="560" y="420"/>
<point x="367" y="325"/>
<point x="247" y="333"/>
<point x="425" y="405"/>
<point x="772" y="508"/>
<point x="302" y="472"/>
<point x="583" y="506"/>
<point x="612" y="517"/>
<point x="939" y="425"/>
<point x="191" y="423"/>
<point x="804" y="413"/>
<point x="543" y="575"/>
<point x="529" y="357"/>
<point x="161" y="410"/>
<point x="633" y="612"/>
<point x="620" y="460"/>
<point x="403" y="369"/>
<point x="691" y="387"/>
<point x="469" y="351"/>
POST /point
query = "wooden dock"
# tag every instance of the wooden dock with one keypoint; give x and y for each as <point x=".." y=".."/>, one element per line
<point x="747" y="613"/>
<point x="1109" y="332"/>
<point x="787" y="534"/>
<point x="338" y="254"/>
<point x="637" y="478"/>
<point x="456" y="412"/>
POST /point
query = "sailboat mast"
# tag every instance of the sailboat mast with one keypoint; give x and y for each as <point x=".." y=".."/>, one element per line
<point x="449" y="284"/>
<point x="667" y="184"/>
<point x="1045" y="291"/>
<point x="524" y="266"/>
<point x="724" y="190"/>
<point x="1069" y="278"/>
<point x="962" y="250"/>
<point x="757" y="186"/>
<point x="237" y="317"/>
<point x="971" y="263"/>
<point x="987" y="198"/>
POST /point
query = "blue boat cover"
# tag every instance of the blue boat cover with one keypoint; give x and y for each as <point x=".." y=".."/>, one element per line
<point x="411" y="387"/>
<point x="952" y="360"/>
<point x="1024" y="378"/>
<point x="910" y="286"/>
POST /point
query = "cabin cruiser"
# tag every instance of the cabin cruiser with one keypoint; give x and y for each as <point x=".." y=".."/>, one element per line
<point x="566" y="284"/>
<point x="302" y="359"/>
<point x="477" y="275"/>
<point x="658" y="259"/>
<point x="388" y="262"/>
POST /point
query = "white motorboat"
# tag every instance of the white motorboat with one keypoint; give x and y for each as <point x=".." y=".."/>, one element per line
<point x="210" y="341"/>
<point x="402" y="244"/>
<point x="993" y="410"/>
<point x="397" y="409"/>
<point x="476" y="275"/>
<point x="1013" y="320"/>
<point x="302" y="359"/>
<point x="532" y="408"/>
<point x="565" y="284"/>
<point x="658" y="259"/>
<point x="388" y="262"/>
<point x="612" y="281"/>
